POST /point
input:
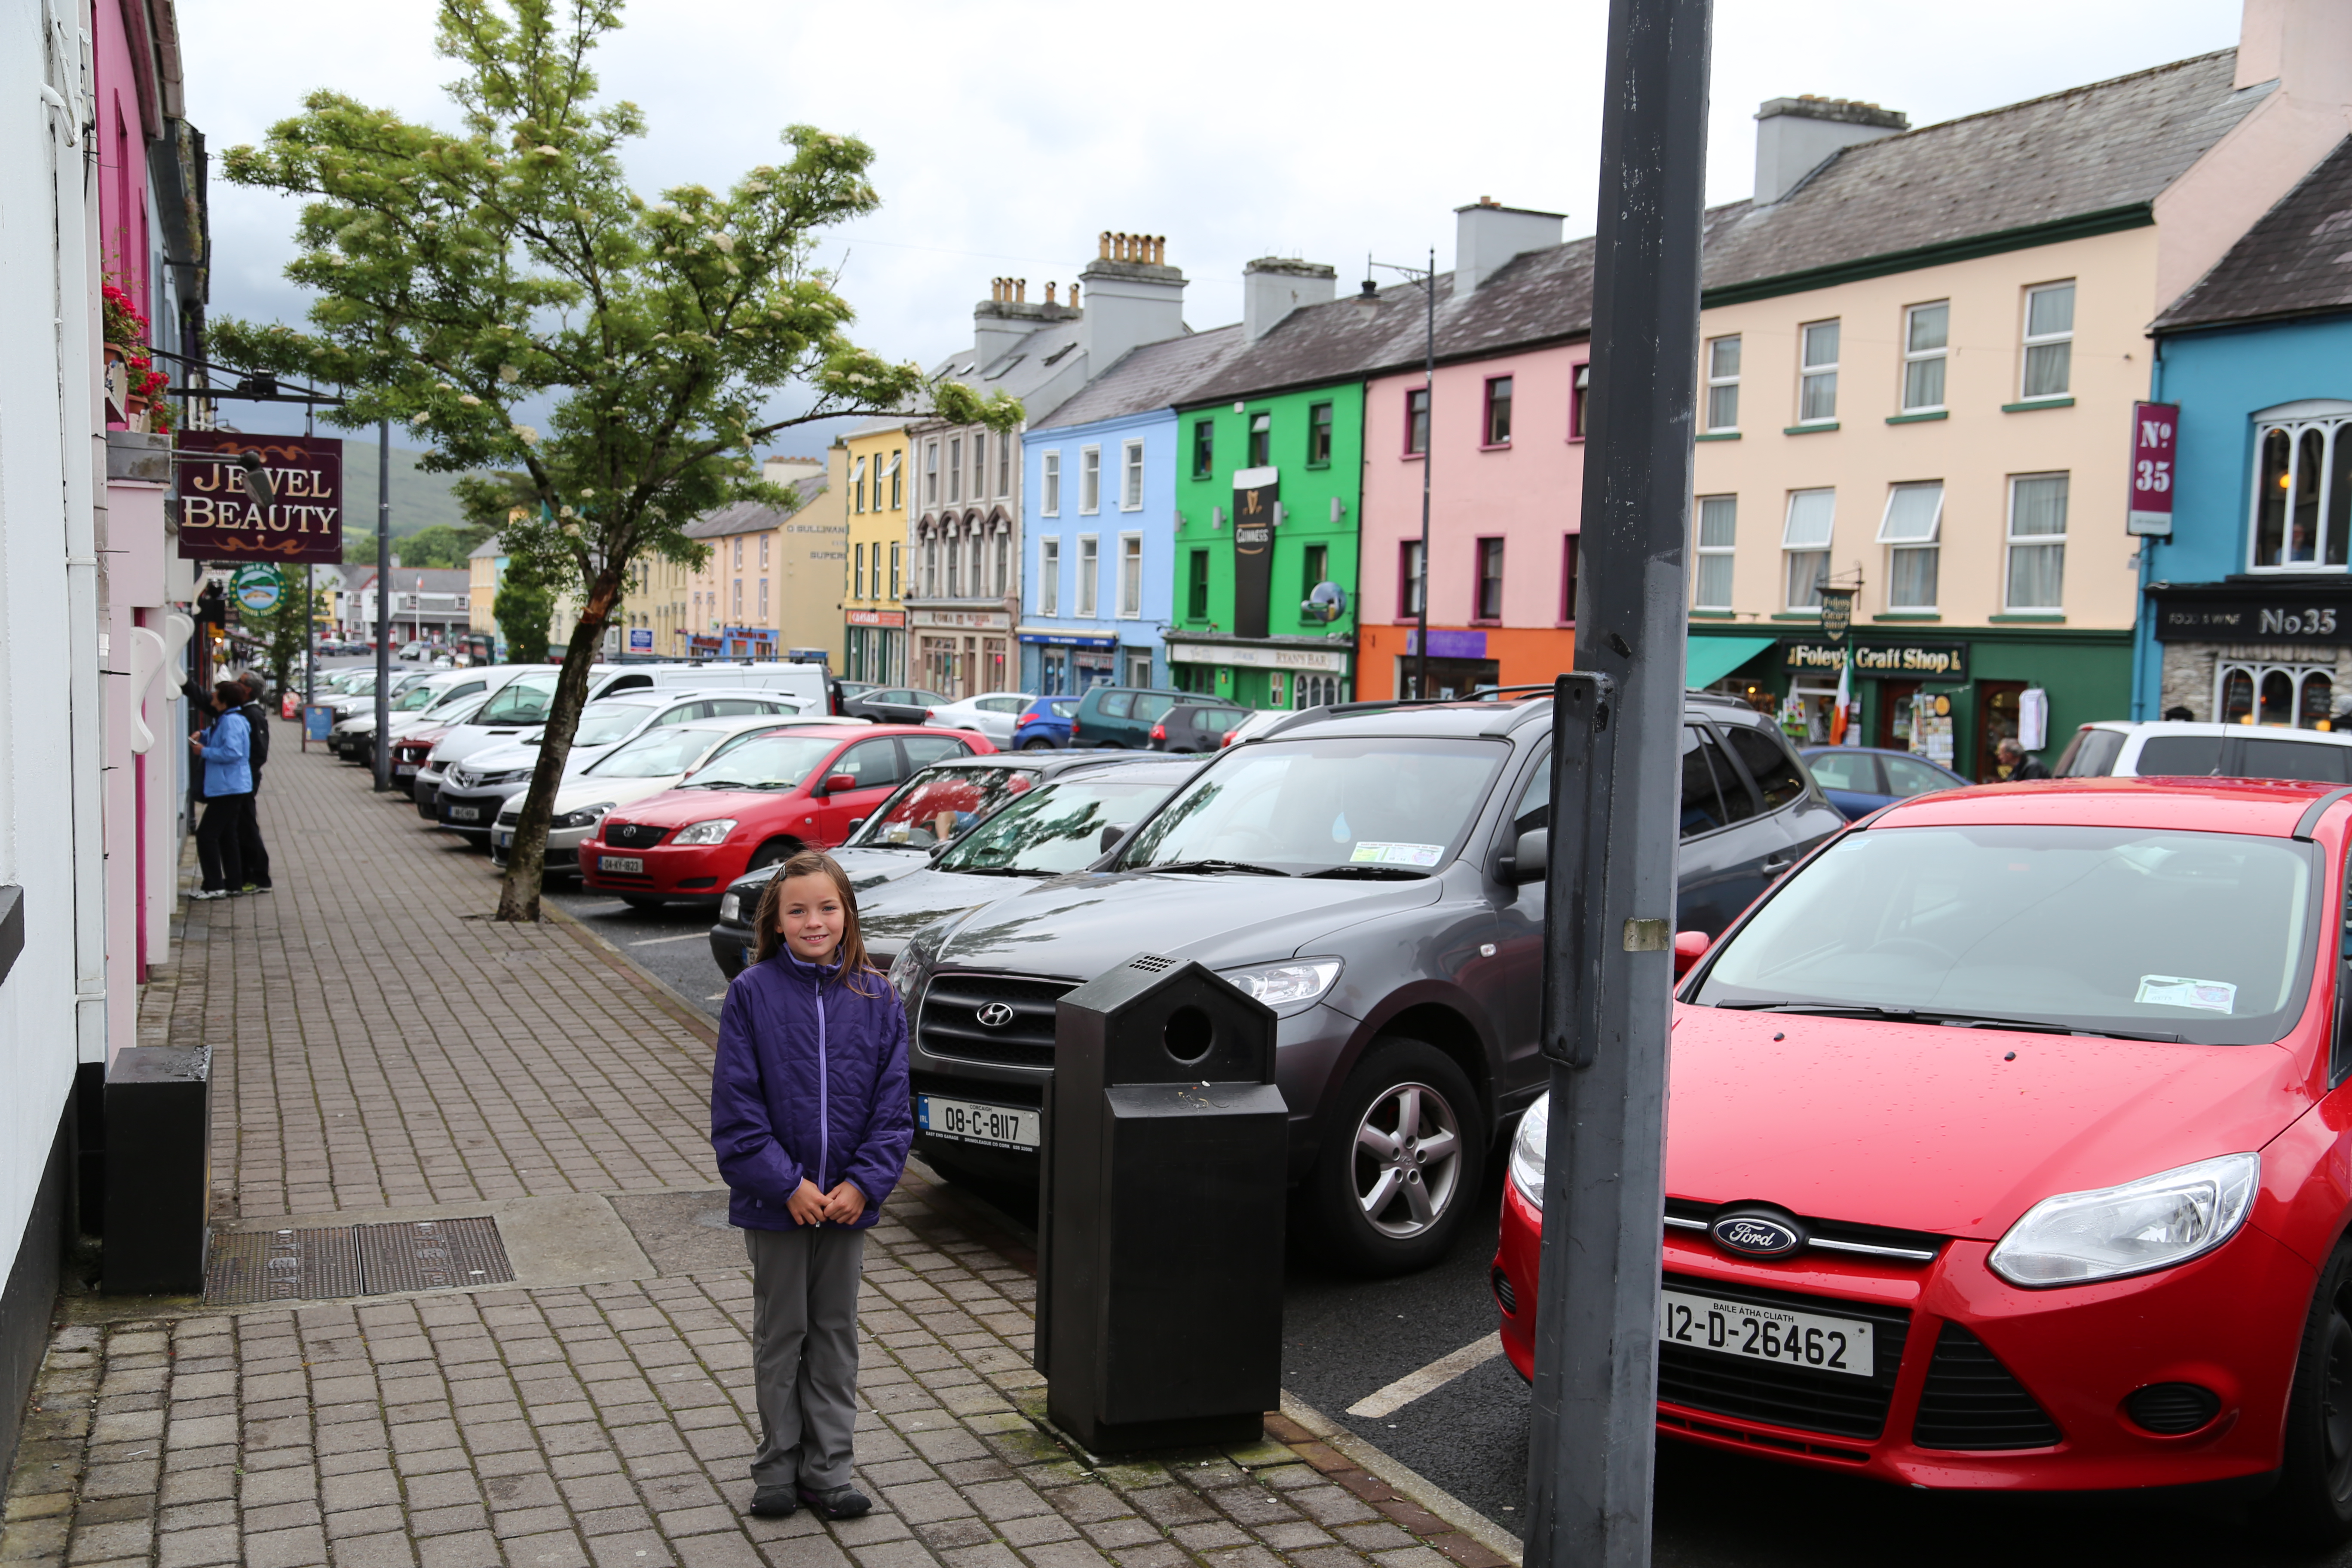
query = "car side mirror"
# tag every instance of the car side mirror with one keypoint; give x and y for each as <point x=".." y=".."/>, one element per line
<point x="1528" y="859"/>
<point x="839" y="783"/>
<point x="1111" y="834"/>
<point x="1690" y="946"/>
<point x="856" y="822"/>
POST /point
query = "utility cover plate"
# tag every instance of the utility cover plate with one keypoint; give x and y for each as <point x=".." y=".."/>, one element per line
<point x="324" y="1263"/>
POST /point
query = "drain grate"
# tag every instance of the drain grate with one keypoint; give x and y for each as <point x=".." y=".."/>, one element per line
<point x="314" y="1265"/>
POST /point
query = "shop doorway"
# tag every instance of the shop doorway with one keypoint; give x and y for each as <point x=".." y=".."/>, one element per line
<point x="1893" y="728"/>
<point x="1448" y="677"/>
<point x="1995" y="722"/>
<point x="1138" y="665"/>
<point x="1816" y="706"/>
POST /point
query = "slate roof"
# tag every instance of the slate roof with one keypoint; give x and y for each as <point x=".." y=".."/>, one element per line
<point x="1156" y="375"/>
<point x="2093" y="149"/>
<point x="2296" y="261"/>
<point x="755" y="517"/>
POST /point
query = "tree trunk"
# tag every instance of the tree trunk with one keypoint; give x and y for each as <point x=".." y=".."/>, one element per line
<point x="527" y="856"/>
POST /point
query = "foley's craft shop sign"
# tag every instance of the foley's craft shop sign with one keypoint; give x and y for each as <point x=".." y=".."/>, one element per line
<point x="220" y="520"/>
<point x="1897" y="661"/>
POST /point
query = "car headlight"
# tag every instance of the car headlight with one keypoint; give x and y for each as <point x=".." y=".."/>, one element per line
<point x="2156" y="1222"/>
<point x="1287" y="985"/>
<point x="586" y="817"/>
<point x="731" y="910"/>
<point x="904" y="970"/>
<point x="714" y="831"/>
<point x="1527" y="1151"/>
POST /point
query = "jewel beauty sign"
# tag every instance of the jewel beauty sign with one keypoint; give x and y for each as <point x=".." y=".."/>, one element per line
<point x="219" y="519"/>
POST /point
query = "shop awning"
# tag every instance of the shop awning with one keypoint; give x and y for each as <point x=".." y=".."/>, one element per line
<point x="1712" y="659"/>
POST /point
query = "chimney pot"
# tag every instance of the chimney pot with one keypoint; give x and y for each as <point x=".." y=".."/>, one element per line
<point x="1020" y="289"/>
<point x="1074" y="296"/>
<point x="1049" y="291"/>
<point x="1103" y="253"/>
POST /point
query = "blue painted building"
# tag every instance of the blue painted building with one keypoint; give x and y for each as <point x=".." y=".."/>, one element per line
<point x="2247" y="611"/>
<point x="1099" y="521"/>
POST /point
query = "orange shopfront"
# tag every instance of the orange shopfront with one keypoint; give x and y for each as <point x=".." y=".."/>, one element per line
<point x="1463" y="658"/>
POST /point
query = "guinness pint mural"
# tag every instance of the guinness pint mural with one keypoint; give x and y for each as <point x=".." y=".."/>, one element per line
<point x="219" y="520"/>
<point x="1255" y="504"/>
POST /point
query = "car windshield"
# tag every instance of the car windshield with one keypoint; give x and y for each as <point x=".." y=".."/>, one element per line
<point x="601" y="725"/>
<point x="939" y="803"/>
<point x="414" y="699"/>
<point x="658" y="753"/>
<point x="764" y="761"/>
<point x="2198" y="936"/>
<point x="1372" y="806"/>
<point x="1058" y="828"/>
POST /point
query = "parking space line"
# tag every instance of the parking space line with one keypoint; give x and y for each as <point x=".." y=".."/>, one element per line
<point x="1429" y="1379"/>
<point x="658" y="941"/>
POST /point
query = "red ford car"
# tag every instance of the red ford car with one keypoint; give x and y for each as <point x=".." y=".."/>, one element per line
<point x="766" y="796"/>
<point x="2007" y="1148"/>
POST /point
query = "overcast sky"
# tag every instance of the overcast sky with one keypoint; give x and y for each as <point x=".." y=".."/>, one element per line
<point x="1008" y="136"/>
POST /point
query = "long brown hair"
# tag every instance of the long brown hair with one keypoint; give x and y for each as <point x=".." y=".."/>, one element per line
<point x="851" y="954"/>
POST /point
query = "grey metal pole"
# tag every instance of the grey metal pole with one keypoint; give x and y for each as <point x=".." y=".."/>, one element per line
<point x="382" y="604"/>
<point x="1428" y="458"/>
<point x="309" y="650"/>
<point x="1611" y="889"/>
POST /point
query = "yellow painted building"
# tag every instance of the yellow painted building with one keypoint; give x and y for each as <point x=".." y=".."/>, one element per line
<point x="871" y="482"/>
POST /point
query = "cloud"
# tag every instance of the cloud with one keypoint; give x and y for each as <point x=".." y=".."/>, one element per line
<point x="1006" y="139"/>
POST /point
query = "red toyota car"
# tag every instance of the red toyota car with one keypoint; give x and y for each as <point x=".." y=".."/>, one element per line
<point x="2009" y="1147"/>
<point x="765" y="797"/>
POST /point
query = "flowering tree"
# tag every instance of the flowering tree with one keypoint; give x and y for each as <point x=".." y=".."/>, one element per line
<point x="459" y="273"/>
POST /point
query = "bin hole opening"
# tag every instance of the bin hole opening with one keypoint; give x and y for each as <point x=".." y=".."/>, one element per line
<point x="1189" y="1034"/>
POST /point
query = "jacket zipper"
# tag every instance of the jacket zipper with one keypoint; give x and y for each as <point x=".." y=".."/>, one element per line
<point x="824" y="1114"/>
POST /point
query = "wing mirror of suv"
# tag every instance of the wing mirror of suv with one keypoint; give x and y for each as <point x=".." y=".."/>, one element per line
<point x="1111" y="834"/>
<point x="1690" y="946"/>
<point x="839" y="783"/>
<point x="854" y="824"/>
<point x="1527" y="860"/>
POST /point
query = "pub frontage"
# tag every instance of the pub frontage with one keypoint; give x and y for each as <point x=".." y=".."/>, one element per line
<point x="2254" y="649"/>
<point x="1982" y="674"/>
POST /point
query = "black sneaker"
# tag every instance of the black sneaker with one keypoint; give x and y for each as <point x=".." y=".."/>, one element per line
<point x="836" y="1502"/>
<point x="774" y="1502"/>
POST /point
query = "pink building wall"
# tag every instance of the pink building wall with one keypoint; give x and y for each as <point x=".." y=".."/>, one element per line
<point x="1526" y="493"/>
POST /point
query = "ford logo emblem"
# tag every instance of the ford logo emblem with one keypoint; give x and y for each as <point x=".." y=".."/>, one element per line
<point x="996" y="1016"/>
<point x="1758" y="1235"/>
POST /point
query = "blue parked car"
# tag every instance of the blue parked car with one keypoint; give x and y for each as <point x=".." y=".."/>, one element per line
<point x="1044" y="724"/>
<point x="1860" y="779"/>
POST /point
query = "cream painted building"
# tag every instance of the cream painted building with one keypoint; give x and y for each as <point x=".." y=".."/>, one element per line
<point x="735" y="601"/>
<point x="1919" y="353"/>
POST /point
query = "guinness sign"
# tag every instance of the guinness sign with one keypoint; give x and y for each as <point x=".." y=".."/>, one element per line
<point x="1255" y="493"/>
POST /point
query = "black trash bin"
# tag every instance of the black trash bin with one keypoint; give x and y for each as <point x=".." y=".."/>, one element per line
<point x="158" y="1170"/>
<point x="1161" y="1237"/>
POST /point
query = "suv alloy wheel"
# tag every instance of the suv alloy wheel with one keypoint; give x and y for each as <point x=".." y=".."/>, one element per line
<point x="1403" y="1162"/>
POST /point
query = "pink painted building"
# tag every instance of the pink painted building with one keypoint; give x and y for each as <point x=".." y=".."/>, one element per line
<point x="1504" y="430"/>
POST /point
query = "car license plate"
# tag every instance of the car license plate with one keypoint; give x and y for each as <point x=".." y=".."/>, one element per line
<point x="621" y="865"/>
<point x="465" y="813"/>
<point x="403" y="770"/>
<point x="1006" y="1126"/>
<point x="501" y="840"/>
<point x="1767" y="1333"/>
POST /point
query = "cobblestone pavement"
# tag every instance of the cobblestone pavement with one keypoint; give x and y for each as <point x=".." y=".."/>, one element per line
<point x="375" y="1048"/>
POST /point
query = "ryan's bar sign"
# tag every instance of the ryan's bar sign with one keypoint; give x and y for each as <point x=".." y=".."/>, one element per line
<point x="218" y="519"/>
<point x="2156" y="431"/>
<point x="1924" y="662"/>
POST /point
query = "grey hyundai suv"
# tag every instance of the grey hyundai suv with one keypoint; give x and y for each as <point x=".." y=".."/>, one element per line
<point x="1355" y="868"/>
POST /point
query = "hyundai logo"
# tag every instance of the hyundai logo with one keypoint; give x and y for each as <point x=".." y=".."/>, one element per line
<point x="996" y="1016"/>
<point x="1757" y="1235"/>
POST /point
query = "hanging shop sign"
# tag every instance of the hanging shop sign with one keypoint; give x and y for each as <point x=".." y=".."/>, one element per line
<point x="219" y="520"/>
<point x="1902" y="661"/>
<point x="1255" y="506"/>
<point x="2286" y="614"/>
<point x="256" y="588"/>
<point x="2156" y="428"/>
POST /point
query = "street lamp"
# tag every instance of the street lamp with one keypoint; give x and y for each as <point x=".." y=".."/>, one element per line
<point x="1428" y="280"/>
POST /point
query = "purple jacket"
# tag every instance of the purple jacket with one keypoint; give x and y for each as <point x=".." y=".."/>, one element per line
<point x="810" y="1080"/>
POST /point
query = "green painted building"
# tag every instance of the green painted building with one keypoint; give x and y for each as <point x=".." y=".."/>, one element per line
<point x="1269" y="485"/>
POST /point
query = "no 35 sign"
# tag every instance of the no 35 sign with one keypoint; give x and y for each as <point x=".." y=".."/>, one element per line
<point x="2156" y="428"/>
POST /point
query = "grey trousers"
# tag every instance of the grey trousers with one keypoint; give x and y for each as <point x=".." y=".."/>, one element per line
<point x="804" y="1352"/>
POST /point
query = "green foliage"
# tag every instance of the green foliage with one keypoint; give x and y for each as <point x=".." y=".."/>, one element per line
<point x="440" y="545"/>
<point x="284" y="629"/>
<point x="457" y="274"/>
<point x="525" y="611"/>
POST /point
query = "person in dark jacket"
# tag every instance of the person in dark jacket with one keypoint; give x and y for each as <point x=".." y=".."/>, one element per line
<point x="2021" y="764"/>
<point x="255" y="854"/>
<point x="226" y="748"/>
<point x="810" y="1119"/>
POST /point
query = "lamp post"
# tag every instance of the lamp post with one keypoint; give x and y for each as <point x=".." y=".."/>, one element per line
<point x="1428" y="280"/>
<point x="382" y="606"/>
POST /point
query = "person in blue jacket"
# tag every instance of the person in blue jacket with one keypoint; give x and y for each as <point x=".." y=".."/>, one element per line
<point x="226" y="748"/>
<point x="810" y="1119"/>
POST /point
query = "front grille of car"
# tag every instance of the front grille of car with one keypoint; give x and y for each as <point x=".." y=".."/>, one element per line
<point x="1884" y="1242"/>
<point x="1835" y="1404"/>
<point x="950" y="1025"/>
<point x="1030" y="1096"/>
<point x="1973" y="1402"/>
<point x="633" y="834"/>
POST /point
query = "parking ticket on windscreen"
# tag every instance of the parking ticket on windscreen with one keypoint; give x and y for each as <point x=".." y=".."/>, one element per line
<point x="1374" y="853"/>
<point x="2175" y="991"/>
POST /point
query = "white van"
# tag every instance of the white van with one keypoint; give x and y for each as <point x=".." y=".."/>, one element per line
<point x="2176" y="747"/>
<point x="802" y="683"/>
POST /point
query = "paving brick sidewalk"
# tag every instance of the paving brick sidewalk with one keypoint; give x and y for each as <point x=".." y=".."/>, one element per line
<point x="375" y="1048"/>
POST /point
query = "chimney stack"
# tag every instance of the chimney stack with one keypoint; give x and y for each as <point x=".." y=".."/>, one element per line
<point x="1132" y="297"/>
<point x="1795" y="135"/>
<point x="1487" y="234"/>
<point x="1273" y="286"/>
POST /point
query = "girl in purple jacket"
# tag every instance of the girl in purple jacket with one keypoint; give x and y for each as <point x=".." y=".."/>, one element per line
<point x="810" y="1119"/>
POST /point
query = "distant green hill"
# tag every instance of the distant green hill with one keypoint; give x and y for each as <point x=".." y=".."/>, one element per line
<point x="419" y="500"/>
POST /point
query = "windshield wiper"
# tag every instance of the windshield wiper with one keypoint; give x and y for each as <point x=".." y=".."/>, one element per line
<point x="993" y="871"/>
<point x="1371" y="873"/>
<point x="1948" y="1020"/>
<point x="1214" y="868"/>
